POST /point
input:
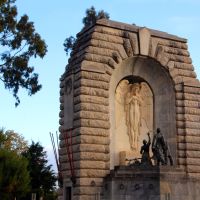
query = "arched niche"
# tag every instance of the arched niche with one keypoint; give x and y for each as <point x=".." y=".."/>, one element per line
<point x="144" y="70"/>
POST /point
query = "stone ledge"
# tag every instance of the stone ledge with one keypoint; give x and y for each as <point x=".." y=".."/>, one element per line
<point x="133" y="28"/>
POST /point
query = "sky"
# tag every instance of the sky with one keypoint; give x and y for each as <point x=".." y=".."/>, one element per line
<point x="38" y="115"/>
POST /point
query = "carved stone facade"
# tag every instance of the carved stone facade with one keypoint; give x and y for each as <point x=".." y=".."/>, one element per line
<point x="105" y="55"/>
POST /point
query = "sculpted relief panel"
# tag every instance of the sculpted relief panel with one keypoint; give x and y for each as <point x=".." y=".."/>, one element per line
<point x="134" y="117"/>
<point x="68" y="102"/>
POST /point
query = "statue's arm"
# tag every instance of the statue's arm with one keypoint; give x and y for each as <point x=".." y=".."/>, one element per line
<point x="149" y="142"/>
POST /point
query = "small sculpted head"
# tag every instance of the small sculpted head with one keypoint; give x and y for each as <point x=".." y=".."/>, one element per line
<point x="158" y="130"/>
<point x="144" y="142"/>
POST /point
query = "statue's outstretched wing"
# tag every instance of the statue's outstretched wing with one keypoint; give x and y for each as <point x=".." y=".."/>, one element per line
<point x="147" y="105"/>
<point x="121" y="91"/>
<point x="120" y="94"/>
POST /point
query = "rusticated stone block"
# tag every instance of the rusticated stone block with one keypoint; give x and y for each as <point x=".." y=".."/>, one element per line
<point x="99" y="148"/>
<point x="193" y="169"/>
<point x="107" y="37"/>
<point x="91" y="107"/>
<point x="61" y="114"/>
<point x="134" y="42"/>
<point x="91" y="92"/>
<point x="75" y="140"/>
<point x="193" y="161"/>
<point x="92" y="173"/>
<point x="84" y="190"/>
<point x="92" y="123"/>
<point x="173" y="44"/>
<point x="91" y="99"/>
<point x="192" y="118"/>
<point x="176" y="51"/>
<point x="188" y="117"/>
<point x="190" y="81"/>
<point x="94" y="165"/>
<point x="62" y="91"/>
<point x="109" y="31"/>
<point x="161" y="56"/>
<point x="92" y="156"/>
<point x="181" y="139"/>
<point x="128" y="47"/>
<point x="93" y="148"/>
<point x="181" y="154"/>
<point x="61" y="121"/>
<point x="108" y="52"/>
<point x="192" y="111"/>
<point x="179" y="96"/>
<point x="187" y="131"/>
<point x="109" y="70"/>
<point x="91" y="83"/>
<point x="185" y="66"/>
<point x="86" y="173"/>
<point x="88" y="139"/>
<point x="188" y="124"/>
<point x="86" y="165"/>
<point x="92" y="76"/>
<point x="90" y="66"/>
<point x="192" y="139"/>
<point x="180" y="117"/>
<point x="189" y="146"/>
<point x="180" y="110"/>
<point x="180" y="65"/>
<point x="188" y="103"/>
<point x="165" y="43"/>
<point x="180" y="72"/>
<point x="192" y="97"/>
<point x="182" y="161"/>
<point x="61" y="99"/>
<point x="91" y="115"/>
<point x="192" y="90"/>
<point x="194" y="175"/>
<point x="192" y="154"/>
<point x="192" y="125"/>
<point x="108" y="45"/>
<point x="100" y="59"/>
<point x="92" y="131"/>
<point x="89" y="181"/>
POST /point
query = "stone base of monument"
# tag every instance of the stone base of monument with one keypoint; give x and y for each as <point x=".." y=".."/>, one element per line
<point x="150" y="183"/>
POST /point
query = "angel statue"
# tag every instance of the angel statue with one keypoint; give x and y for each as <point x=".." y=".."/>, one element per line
<point x="132" y="105"/>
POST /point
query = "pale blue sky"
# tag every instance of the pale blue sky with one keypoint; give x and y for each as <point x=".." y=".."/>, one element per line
<point x="36" y="116"/>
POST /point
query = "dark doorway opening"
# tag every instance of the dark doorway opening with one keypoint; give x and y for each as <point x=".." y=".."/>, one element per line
<point x="68" y="193"/>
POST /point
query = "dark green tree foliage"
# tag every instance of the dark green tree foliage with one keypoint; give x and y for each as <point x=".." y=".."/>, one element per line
<point x="18" y="43"/>
<point x="14" y="176"/>
<point x="69" y="43"/>
<point x="91" y="17"/>
<point x="43" y="179"/>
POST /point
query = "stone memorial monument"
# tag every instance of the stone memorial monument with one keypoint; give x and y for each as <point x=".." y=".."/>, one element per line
<point x="122" y="82"/>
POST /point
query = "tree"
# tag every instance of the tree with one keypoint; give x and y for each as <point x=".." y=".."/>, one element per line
<point x="43" y="179"/>
<point x="91" y="17"/>
<point x="19" y="42"/>
<point x="13" y="141"/>
<point x="14" y="176"/>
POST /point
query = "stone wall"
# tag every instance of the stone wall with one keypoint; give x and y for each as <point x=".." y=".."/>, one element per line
<point x="99" y="51"/>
